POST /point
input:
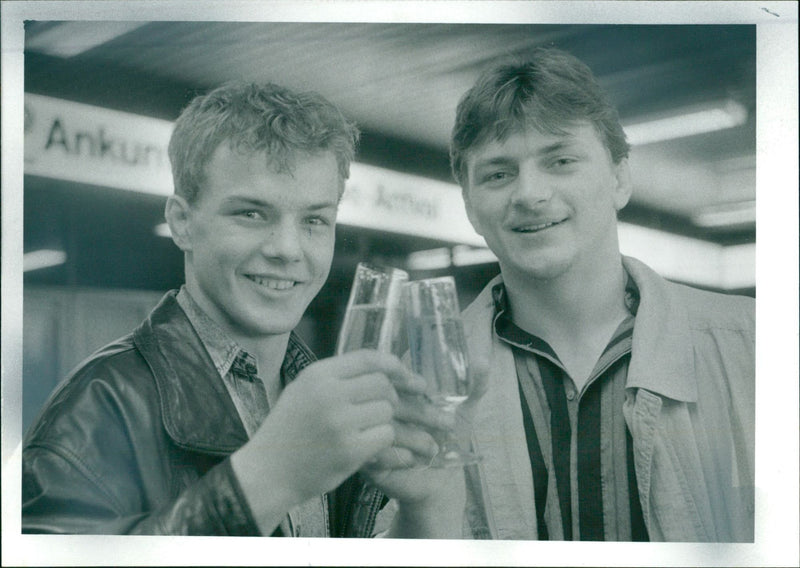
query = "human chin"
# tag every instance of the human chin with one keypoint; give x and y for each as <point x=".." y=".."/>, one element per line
<point x="260" y="318"/>
<point x="273" y="322"/>
<point x="539" y="264"/>
<point x="282" y="305"/>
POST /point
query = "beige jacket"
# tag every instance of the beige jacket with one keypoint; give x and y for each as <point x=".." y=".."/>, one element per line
<point x="690" y="407"/>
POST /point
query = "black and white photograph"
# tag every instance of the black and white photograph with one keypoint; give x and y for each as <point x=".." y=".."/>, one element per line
<point x="400" y="283"/>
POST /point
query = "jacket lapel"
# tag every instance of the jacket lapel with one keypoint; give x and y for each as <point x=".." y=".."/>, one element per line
<point x="669" y="473"/>
<point x="661" y="387"/>
<point x="499" y="435"/>
<point x="662" y="356"/>
<point x="197" y="411"/>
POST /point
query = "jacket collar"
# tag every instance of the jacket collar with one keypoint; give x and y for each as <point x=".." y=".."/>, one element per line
<point x="662" y="359"/>
<point x="225" y="353"/>
<point x="196" y="409"/>
<point x="222" y="349"/>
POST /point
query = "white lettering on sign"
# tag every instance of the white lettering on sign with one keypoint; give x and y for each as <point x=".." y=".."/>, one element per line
<point x="387" y="200"/>
<point x="98" y="146"/>
<point x="406" y="202"/>
<point x="82" y="143"/>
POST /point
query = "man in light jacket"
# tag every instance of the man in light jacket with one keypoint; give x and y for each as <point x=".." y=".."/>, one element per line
<point x="620" y="406"/>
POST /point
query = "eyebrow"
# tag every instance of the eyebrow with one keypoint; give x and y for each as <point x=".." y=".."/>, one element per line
<point x="501" y="159"/>
<point x="260" y="203"/>
<point x="556" y="146"/>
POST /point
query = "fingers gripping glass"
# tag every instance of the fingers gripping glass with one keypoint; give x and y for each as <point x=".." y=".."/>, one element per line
<point x="438" y="352"/>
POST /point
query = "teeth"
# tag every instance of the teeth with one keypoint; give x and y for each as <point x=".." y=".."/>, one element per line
<point x="273" y="284"/>
<point x="533" y="228"/>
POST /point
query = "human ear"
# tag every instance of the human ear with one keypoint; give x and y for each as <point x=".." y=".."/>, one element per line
<point x="623" y="187"/>
<point x="178" y="213"/>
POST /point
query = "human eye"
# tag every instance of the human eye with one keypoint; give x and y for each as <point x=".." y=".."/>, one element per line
<point x="495" y="177"/>
<point x="249" y="214"/>
<point x="319" y="220"/>
<point x="563" y="163"/>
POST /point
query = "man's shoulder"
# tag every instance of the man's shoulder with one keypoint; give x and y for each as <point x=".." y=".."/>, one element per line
<point x="704" y="308"/>
<point x="108" y="376"/>
<point x="123" y="356"/>
<point x="716" y="310"/>
<point x="115" y="374"/>
<point x="708" y="305"/>
<point x="107" y="362"/>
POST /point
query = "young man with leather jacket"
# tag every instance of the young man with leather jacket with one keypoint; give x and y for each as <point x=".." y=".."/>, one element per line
<point x="213" y="417"/>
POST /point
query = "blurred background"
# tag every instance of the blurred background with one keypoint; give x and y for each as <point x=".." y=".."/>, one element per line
<point x="100" y="98"/>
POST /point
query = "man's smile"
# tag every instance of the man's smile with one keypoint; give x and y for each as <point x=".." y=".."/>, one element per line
<point x="271" y="282"/>
<point x="535" y="227"/>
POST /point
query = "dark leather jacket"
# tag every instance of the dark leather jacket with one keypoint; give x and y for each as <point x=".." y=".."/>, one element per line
<point x="137" y="439"/>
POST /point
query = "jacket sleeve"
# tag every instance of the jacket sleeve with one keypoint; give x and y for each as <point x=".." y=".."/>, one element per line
<point x="61" y="496"/>
<point x="98" y="460"/>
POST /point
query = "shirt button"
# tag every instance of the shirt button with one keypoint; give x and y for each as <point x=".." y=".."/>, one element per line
<point x="570" y="394"/>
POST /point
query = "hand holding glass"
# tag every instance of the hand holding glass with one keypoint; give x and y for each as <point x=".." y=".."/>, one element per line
<point x="438" y="352"/>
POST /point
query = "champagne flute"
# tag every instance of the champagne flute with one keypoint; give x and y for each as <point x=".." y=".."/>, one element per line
<point x="374" y="315"/>
<point x="438" y="352"/>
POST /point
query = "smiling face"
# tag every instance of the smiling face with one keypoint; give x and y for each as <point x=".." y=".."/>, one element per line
<point x="258" y="244"/>
<point x="546" y="203"/>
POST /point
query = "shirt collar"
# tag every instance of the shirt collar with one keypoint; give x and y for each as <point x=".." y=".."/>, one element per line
<point x="225" y="353"/>
<point x="223" y="350"/>
<point x="507" y="331"/>
<point x="500" y="297"/>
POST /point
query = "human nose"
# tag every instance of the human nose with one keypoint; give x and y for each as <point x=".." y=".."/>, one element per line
<point x="283" y="242"/>
<point x="532" y="188"/>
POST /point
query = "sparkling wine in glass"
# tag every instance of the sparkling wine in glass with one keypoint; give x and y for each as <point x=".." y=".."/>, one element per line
<point x="438" y="352"/>
<point x="374" y="318"/>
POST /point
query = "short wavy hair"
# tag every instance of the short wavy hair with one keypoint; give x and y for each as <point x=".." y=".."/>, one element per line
<point x="548" y="91"/>
<point x="254" y="118"/>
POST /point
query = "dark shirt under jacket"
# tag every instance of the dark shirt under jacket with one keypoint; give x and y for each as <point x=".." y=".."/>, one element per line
<point x="579" y="445"/>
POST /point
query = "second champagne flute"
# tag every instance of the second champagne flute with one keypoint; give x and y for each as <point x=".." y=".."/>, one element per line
<point x="438" y="350"/>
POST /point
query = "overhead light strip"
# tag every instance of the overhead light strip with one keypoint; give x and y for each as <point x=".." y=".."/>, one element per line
<point x="44" y="258"/>
<point x="430" y="259"/>
<point x="692" y="121"/>
<point x="162" y="230"/>
<point x="690" y="260"/>
<point x="728" y="215"/>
